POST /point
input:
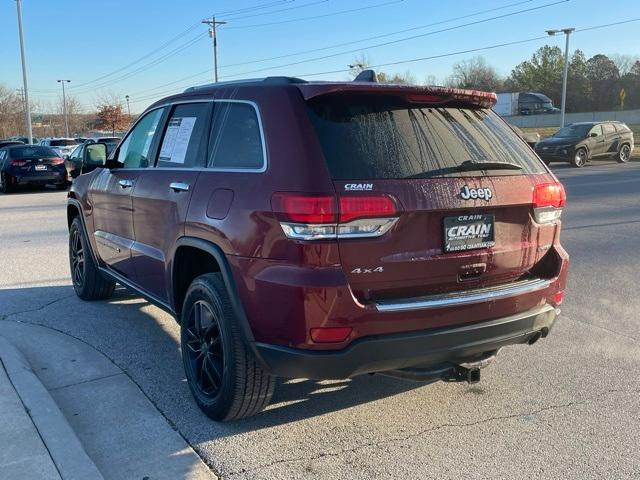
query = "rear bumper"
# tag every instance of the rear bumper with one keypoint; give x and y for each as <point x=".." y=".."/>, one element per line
<point x="40" y="178"/>
<point x="416" y="349"/>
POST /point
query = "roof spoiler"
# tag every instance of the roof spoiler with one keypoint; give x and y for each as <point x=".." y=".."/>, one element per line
<point x="367" y="76"/>
<point x="413" y="93"/>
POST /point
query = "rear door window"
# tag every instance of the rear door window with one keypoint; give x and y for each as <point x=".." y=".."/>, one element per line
<point x="182" y="144"/>
<point x="365" y="137"/>
<point x="236" y="141"/>
<point x="608" y="128"/>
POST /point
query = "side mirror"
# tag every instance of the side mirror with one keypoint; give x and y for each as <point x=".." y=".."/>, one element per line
<point x="65" y="157"/>
<point x="593" y="134"/>
<point x="94" y="156"/>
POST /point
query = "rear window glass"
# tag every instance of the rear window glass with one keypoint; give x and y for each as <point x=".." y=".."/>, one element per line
<point x="32" y="152"/>
<point x="376" y="138"/>
<point x="63" y="143"/>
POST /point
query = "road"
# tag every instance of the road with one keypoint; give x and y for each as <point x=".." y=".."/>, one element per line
<point x="568" y="407"/>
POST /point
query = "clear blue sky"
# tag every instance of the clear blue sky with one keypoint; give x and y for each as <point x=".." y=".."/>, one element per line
<point x="84" y="40"/>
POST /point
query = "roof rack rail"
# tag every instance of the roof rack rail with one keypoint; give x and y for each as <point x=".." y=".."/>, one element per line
<point x="267" y="80"/>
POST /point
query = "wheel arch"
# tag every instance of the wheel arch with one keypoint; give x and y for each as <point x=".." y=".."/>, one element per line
<point x="215" y="261"/>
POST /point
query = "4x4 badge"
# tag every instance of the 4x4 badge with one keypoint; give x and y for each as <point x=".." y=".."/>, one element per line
<point x="473" y="193"/>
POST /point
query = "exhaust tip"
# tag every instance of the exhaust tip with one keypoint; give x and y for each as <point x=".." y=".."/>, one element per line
<point x="535" y="337"/>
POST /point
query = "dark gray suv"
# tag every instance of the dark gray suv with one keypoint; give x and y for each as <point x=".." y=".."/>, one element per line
<point x="579" y="142"/>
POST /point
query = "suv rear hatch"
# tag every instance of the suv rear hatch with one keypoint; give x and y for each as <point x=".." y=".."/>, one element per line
<point x="463" y="190"/>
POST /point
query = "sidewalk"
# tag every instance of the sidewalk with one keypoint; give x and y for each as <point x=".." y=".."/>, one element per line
<point x="68" y="412"/>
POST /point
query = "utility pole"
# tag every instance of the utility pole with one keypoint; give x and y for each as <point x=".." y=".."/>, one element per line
<point x="565" y="73"/>
<point x="128" y="109"/>
<point x="24" y="74"/>
<point x="64" y="108"/>
<point x="213" y="23"/>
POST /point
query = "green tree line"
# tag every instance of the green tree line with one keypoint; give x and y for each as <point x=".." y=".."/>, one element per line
<point x="599" y="83"/>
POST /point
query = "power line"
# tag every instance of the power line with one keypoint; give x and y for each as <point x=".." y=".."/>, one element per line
<point x="390" y="34"/>
<point x="432" y="57"/>
<point x="405" y="39"/>
<point x="275" y="11"/>
<point x="451" y="19"/>
<point x="251" y="9"/>
<point x="315" y="17"/>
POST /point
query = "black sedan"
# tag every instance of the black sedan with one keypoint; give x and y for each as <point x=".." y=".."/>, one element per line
<point x="30" y="165"/>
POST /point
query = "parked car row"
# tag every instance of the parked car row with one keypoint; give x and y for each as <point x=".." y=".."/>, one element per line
<point x="53" y="161"/>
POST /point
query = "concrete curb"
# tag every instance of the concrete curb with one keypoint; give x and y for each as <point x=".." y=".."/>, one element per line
<point x="59" y="438"/>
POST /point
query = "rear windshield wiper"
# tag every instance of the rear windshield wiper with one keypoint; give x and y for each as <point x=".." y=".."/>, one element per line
<point x="472" y="165"/>
<point x="468" y="166"/>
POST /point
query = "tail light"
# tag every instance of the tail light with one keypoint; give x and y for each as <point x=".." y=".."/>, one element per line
<point x="57" y="161"/>
<point x="548" y="200"/>
<point x="318" y="217"/>
<point x="18" y="163"/>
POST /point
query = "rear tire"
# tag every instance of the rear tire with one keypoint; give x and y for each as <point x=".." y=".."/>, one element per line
<point x="624" y="154"/>
<point x="224" y="378"/>
<point x="579" y="158"/>
<point x="4" y="183"/>
<point x="88" y="282"/>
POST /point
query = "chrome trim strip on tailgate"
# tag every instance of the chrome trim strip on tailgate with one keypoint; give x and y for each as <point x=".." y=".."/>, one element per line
<point x="464" y="297"/>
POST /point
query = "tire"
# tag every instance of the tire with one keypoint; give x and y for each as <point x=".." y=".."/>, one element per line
<point x="4" y="184"/>
<point x="88" y="282"/>
<point x="624" y="154"/>
<point x="579" y="158"/>
<point x="224" y="378"/>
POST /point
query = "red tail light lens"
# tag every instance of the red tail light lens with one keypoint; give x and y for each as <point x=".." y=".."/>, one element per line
<point x="352" y="207"/>
<point x="305" y="208"/>
<point x="56" y="161"/>
<point x="18" y="163"/>
<point x="322" y="217"/>
<point x="549" y="195"/>
<point x="558" y="297"/>
<point x="330" y="335"/>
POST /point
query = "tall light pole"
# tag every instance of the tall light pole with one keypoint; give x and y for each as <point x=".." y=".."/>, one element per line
<point x="27" y="108"/>
<point x="64" y="108"/>
<point x="126" y="97"/>
<point x="212" y="33"/>
<point x="567" y="32"/>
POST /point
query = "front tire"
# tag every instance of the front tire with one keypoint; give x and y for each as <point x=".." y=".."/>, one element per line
<point x="579" y="158"/>
<point x="88" y="282"/>
<point x="624" y="154"/>
<point x="224" y="378"/>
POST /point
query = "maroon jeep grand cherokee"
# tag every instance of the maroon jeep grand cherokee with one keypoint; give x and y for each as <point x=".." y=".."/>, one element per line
<point x="324" y="230"/>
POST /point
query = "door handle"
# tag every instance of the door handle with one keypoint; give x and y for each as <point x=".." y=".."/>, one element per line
<point x="126" y="183"/>
<point x="179" y="186"/>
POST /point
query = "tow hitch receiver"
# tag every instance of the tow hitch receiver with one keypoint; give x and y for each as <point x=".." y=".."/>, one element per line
<point x="462" y="374"/>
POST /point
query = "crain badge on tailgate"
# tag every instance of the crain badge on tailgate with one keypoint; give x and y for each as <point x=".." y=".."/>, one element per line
<point x="358" y="187"/>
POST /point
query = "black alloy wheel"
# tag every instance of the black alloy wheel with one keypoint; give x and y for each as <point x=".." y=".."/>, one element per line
<point x="205" y="350"/>
<point x="76" y="255"/>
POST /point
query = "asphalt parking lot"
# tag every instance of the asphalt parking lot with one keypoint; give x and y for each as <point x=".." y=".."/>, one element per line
<point x="568" y="407"/>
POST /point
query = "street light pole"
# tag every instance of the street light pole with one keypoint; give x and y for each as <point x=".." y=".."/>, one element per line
<point x="64" y="108"/>
<point x="212" y="33"/>
<point x="27" y="108"/>
<point x="565" y="74"/>
<point x="128" y="109"/>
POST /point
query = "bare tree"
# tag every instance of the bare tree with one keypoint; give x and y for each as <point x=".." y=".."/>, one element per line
<point x="624" y="62"/>
<point x="475" y="73"/>
<point x="11" y="112"/>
